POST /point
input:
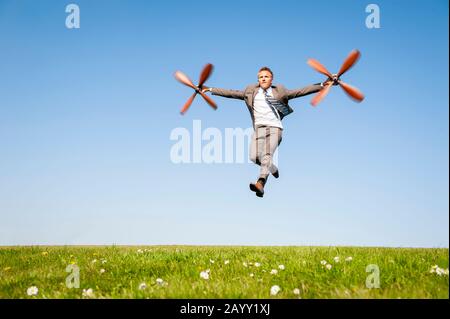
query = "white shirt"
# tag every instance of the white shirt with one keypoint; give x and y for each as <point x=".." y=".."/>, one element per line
<point x="264" y="115"/>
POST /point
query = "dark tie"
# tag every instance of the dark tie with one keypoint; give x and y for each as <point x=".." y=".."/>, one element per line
<point x="273" y="103"/>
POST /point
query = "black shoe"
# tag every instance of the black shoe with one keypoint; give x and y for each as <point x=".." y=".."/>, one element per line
<point x="258" y="187"/>
<point x="276" y="174"/>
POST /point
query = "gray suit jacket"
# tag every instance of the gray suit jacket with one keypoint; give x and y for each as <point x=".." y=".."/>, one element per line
<point x="280" y="93"/>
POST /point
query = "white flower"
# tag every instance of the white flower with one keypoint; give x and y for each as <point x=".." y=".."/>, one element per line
<point x="142" y="286"/>
<point x="103" y="261"/>
<point x="211" y="261"/>
<point x="274" y="272"/>
<point x="94" y="261"/>
<point x="336" y="259"/>
<point x="439" y="271"/>
<point x="323" y="262"/>
<point x="226" y="262"/>
<point x="140" y="251"/>
<point x="328" y="266"/>
<point x="245" y="264"/>
<point x="350" y="258"/>
<point x="32" y="291"/>
<point x="274" y="290"/>
<point x="205" y="274"/>
<point x="281" y="267"/>
<point x="252" y="275"/>
<point x="257" y="264"/>
<point x="88" y="293"/>
<point x="159" y="281"/>
<point x="102" y="271"/>
<point x="296" y="291"/>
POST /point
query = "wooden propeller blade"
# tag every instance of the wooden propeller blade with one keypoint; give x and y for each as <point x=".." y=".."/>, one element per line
<point x="316" y="65"/>
<point x="206" y="72"/>
<point x="180" y="76"/>
<point x="188" y="103"/>
<point x="322" y="93"/>
<point x="209" y="100"/>
<point x="349" y="62"/>
<point x="353" y="92"/>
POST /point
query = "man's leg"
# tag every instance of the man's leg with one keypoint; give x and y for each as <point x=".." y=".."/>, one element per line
<point x="270" y="140"/>
<point x="258" y="146"/>
<point x="256" y="153"/>
<point x="254" y="149"/>
<point x="264" y="143"/>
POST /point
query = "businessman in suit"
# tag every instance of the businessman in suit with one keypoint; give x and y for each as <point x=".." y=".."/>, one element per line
<point x="268" y="105"/>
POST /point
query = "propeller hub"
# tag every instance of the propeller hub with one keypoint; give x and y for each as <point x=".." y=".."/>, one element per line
<point x="335" y="79"/>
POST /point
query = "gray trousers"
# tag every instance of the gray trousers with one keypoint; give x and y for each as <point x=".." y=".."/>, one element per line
<point x="265" y="140"/>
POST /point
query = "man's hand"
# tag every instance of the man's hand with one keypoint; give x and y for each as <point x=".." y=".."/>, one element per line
<point x="206" y="89"/>
<point x="325" y="83"/>
<point x="333" y="79"/>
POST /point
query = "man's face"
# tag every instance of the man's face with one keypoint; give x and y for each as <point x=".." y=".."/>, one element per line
<point x="265" y="79"/>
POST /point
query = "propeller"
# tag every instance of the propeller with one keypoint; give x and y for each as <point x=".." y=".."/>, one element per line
<point x="204" y="75"/>
<point x="351" y="91"/>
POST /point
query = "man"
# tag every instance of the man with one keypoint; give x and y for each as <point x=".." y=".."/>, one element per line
<point x="267" y="104"/>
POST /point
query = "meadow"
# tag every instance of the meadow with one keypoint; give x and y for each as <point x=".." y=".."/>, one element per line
<point x="223" y="272"/>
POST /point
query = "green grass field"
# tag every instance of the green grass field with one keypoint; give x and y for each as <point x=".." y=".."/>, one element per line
<point x="222" y="272"/>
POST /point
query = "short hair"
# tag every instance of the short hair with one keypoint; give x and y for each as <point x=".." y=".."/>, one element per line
<point x="265" y="68"/>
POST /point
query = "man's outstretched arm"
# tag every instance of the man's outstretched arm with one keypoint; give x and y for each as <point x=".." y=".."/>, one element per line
<point x="292" y="94"/>
<point x="232" y="94"/>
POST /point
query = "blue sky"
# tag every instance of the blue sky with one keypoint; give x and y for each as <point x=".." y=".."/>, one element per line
<point x="86" y="116"/>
